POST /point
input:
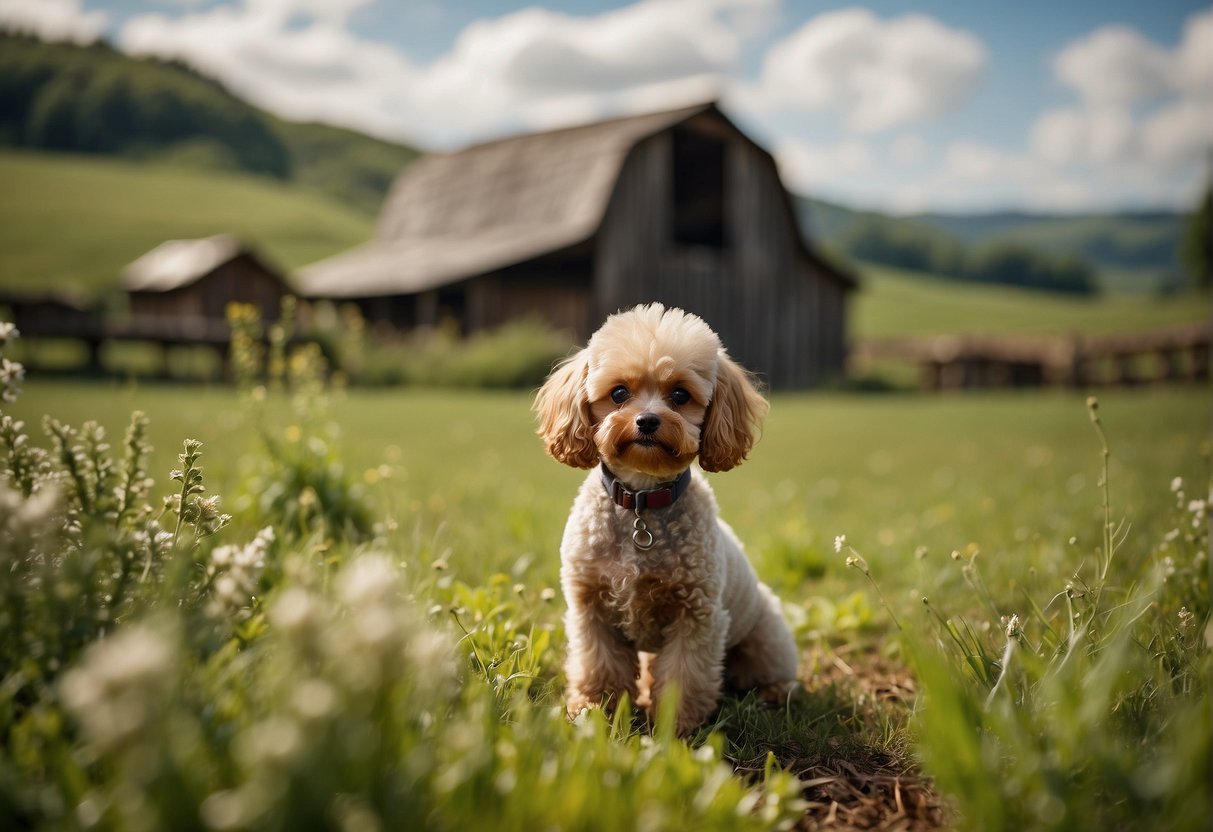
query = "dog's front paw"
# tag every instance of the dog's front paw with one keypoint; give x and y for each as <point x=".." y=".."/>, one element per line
<point x="575" y="705"/>
<point x="776" y="693"/>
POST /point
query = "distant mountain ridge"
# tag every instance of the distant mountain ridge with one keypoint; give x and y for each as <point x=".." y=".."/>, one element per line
<point x="1131" y="251"/>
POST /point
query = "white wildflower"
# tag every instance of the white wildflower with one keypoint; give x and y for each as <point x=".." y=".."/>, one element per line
<point x="369" y="580"/>
<point x="1011" y="625"/>
<point x="1177" y="484"/>
<point x="119" y="685"/>
<point x="31" y="512"/>
<point x="313" y="699"/>
<point x="11" y="374"/>
<point x="1168" y="567"/>
<point x="8" y="332"/>
<point x="839" y="542"/>
<point x="275" y="741"/>
<point x="234" y="572"/>
<point x="296" y="612"/>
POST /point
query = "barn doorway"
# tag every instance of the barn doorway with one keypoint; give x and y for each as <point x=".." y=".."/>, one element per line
<point x="698" y="189"/>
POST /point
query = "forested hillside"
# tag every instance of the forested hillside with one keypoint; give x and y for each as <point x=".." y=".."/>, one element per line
<point x="93" y="99"/>
<point x="1138" y="252"/>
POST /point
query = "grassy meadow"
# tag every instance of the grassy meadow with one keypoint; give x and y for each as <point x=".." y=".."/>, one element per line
<point x="1005" y="623"/>
<point x="894" y="302"/>
<point x="922" y="714"/>
<point x="69" y="221"/>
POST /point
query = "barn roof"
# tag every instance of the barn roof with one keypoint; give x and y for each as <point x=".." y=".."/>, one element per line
<point x="451" y="216"/>
<point x="177" y="263"/>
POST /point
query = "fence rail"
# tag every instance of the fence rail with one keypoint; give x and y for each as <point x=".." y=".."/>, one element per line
<point x="953" y="362"/>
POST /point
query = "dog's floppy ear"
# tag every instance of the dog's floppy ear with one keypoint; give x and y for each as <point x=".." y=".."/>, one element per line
<point x="565" y="422"/>
<point x="733" y="420"/>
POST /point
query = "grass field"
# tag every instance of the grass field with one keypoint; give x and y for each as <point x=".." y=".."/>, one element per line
<point x="986" y="505"/>
<point x="1014" y="633"/>
<point x="75" y="221"/>
<point x="893" y="473"/>
<point x="894" y="302"/>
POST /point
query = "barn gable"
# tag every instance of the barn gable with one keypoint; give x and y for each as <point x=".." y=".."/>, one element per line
<point x="199" y="278"/>
<point x="573" y="224"/>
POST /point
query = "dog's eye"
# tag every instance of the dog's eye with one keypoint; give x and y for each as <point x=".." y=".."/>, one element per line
<point x="679" y="396"/>
<point x="620" y="394"/>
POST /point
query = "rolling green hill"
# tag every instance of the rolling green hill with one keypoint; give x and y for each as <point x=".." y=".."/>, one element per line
<point x="95" y="100"/>
<point x="1131" y="252"/>
<point x="895" y="302"/>
<point x="72" y="221"/>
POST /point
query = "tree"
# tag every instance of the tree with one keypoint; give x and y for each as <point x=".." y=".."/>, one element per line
<point x="1196" y="247"/>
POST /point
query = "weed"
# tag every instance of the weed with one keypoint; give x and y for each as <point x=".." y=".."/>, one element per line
<point x="1076" y="721"/>
<point x="301" y="486"/>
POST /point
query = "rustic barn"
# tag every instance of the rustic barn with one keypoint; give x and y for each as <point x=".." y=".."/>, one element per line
<point x="187" y="284"/>
<point x="573" y="224"/>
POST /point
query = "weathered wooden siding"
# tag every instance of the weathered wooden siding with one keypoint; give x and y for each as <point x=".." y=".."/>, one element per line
<point x="555" y="289"/>
<point x="776" y="312"/>
<point x="240" y="280"/>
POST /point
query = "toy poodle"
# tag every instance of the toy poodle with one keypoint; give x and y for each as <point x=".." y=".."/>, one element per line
<point x="660" y="593"/>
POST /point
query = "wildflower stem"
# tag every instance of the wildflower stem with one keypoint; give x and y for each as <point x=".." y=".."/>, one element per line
<point x="1093" y="411"/>
<point x="856" y="560"/>
<point x="1007" y="653"/>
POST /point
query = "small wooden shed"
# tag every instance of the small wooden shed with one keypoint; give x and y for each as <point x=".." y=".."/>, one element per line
<point x="184" y="281"/>
<point x="569" y="225"/>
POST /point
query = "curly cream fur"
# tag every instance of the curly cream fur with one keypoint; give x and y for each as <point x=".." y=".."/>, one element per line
<point x="690" y="611"/>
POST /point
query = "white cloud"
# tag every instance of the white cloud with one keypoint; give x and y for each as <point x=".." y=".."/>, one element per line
<point x="909" y="150"/>
<point x="1144" y="114"/>
<point x="877" y="73"/>
<point x="542" y="68"/>
<point x="1099" y="135"/>
<point x="1194" y="61"/>
<point x="806" y="167"/>
<point x="980" y="176"/>
<point x="54" y="20"/>
<point x="1178" y="136"/>
<point x="531" y="68"/>
<point x="1115" y="65"/>
<point x="294" y="57"/>
<point x="834" y="98"/>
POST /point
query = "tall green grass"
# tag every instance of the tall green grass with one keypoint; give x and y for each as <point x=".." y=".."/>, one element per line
<point x="409" y="674"/>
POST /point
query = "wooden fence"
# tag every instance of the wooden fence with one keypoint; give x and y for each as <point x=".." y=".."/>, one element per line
<point x="955" y="362"/>
<point x="945" y="362"/>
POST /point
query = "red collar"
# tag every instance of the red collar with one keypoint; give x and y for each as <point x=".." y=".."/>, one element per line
<point x="662" y="496"/>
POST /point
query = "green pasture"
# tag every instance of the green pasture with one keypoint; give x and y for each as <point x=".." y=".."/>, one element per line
<point x="1042" y="607"/>
<point x="979" y="530"/>
<point x="1014" y="476"/>
<point x="73" y="222"/>
<point x="893" y="302"/>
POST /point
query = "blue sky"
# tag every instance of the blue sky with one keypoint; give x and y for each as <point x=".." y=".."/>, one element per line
<point x="943" y="105"/>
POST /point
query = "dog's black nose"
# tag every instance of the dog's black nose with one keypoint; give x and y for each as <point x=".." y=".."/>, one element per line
<point x="648" y="423"/>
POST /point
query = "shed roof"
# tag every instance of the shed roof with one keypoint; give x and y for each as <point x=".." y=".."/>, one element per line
<point x="177" y="263"/>
<point x="450" y="216"/>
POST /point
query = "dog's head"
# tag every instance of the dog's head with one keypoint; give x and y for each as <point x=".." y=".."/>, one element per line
<point x="651" y="390"/>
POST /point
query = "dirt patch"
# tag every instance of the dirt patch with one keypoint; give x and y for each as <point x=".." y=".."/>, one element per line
<point x="873" y="789"/>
